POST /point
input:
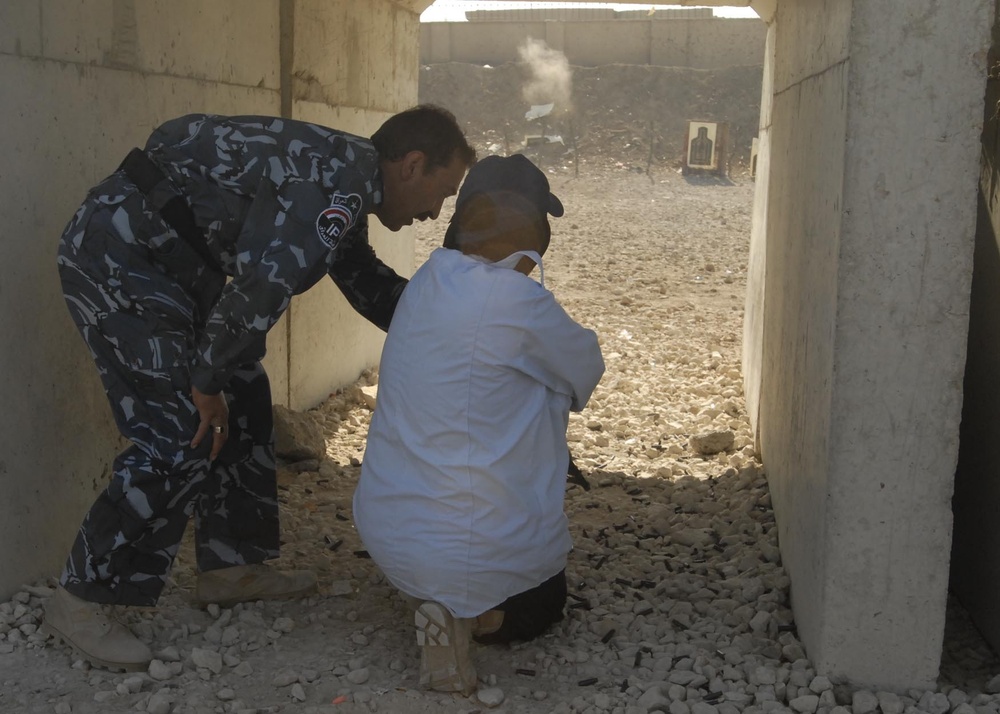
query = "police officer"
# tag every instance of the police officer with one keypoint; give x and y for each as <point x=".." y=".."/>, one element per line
<point x="174" y="269"/>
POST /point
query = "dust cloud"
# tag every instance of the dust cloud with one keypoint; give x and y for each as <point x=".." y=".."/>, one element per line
<point x="550" y="78"/>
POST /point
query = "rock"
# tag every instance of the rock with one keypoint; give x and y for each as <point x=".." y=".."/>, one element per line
<point x="691" y="537"/>
<point x="160" y="671"/>
<point x="339" y="588"/>
<point x="793" y="652"/>
<point x="284" y="678"/>
<point x="63" y="708"/>
<point x="889" y="703"/>
<point x="226" y="694"/>
<point x="358" y="676"/>
<point x="820" y="684"/>
<point x="159" y="703"/>
<point x="763" y="675"/>
<point x="297" y="435"/>
<point x="993" y="686"/>
<point x="760" y="621"/>
<point x="957" y="697"/>
<point x="169" y="654"/>
<point x="653" y="699"/>
<point x="863" y="702"/>
<point x="230" y="636"/>
<point x="490" y="696"/>
<point x="687" y="678"/>
<point x="207" y="659"/>
<point x="805" y="704"/>
<point x="298" y="693"/>
<point x="369" y="396"/>
<point x="934" y="703"/>
<point x="677" y="707"/>
<point x="712" y="442"/>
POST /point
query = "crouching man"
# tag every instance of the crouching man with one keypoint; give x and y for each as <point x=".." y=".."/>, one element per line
<point x="460" y="500"/>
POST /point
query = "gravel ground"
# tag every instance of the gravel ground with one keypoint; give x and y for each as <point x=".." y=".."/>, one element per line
<point x="678" y="599"/>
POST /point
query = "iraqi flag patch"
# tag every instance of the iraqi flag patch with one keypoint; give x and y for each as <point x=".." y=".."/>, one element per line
<point x="336" y="220"/>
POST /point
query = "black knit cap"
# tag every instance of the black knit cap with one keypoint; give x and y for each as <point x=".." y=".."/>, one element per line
<point x="510" y="174"/>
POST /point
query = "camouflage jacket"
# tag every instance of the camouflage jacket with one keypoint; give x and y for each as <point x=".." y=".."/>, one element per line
<point x="281" y="203"/>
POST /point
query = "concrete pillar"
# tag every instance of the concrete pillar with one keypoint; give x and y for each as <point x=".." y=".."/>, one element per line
<point x="869" y="225"/>
<point x="353" y="66"/>
<point x="753" y="316"/>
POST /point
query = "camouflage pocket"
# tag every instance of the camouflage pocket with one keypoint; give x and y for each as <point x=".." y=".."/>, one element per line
<point x="156" y="361"/>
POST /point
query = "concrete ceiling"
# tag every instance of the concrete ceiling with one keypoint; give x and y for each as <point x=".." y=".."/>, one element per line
<point x="764" y="8"/>
<point x="419" y="6"/>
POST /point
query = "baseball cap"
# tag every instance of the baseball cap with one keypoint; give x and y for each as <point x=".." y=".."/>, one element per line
<point x="511" y="175"/>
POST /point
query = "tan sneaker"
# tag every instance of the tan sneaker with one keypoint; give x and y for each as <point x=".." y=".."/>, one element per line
<point x="246" y="583"/>
<point x="445" y="664"/>
<point x="95" y="636"/>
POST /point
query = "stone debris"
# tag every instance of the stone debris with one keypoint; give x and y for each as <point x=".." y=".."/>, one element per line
<point x="206" y="658"/>
<point x="490" y="696"/>
<point x="369" y="395"/>
<point x="297" y="435"/>
<point x="712" y="442"/>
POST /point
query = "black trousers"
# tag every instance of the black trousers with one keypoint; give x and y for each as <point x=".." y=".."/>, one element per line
<point x="529" y="614"/>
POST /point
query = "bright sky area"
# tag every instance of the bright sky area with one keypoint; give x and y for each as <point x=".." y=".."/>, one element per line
<point x="454" y="10"/>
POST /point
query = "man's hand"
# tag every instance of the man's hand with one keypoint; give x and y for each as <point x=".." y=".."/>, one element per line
<point x="214" y="413"/>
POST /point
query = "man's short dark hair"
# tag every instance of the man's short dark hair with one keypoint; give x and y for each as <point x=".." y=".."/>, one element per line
<point x="427" y="128"/>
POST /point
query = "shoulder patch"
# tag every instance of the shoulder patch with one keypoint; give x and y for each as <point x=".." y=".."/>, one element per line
<point x="333" y="222"/>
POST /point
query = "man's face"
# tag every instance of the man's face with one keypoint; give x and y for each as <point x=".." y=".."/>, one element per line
<point x="410" y="192"/>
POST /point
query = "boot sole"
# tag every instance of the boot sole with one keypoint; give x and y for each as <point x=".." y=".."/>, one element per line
<point x="431" y="622"/>
<point x="445" y="664"/>
<point x="61" y="639"/>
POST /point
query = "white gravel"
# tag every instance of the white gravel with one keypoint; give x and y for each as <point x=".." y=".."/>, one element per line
<point x="678" y="601"/>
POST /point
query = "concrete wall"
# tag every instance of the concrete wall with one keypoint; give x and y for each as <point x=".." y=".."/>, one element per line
<point x="701" y="44"/>
<point x="868" y="227"/>
<point x="82" y="83"/>
<point x="975" y="565"/>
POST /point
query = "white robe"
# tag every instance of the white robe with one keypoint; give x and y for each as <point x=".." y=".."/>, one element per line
<point x="460" y="498"/>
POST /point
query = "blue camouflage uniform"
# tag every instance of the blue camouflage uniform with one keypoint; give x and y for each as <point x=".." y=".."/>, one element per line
<point x="278" y="204"/>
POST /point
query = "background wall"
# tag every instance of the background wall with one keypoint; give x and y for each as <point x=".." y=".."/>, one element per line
<point x="697" y="43"/>
<point x="82" y="83"/>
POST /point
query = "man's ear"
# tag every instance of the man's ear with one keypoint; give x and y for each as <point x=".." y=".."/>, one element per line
<point x="412" y="165"/>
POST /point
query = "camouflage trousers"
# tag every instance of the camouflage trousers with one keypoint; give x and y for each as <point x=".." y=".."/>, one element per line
<point x="138" y="315"/>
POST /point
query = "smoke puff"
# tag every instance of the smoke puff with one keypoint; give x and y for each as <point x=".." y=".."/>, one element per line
<point x="550" y="76"/>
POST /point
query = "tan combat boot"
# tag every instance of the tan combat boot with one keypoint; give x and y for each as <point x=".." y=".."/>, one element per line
<point x="246" y="583"/>
<point x="487" y="623"/>
<point x="445" y="662"/>
<point x="93" y="634"/>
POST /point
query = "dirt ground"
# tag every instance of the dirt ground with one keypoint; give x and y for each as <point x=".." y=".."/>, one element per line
<point x="678" y="601"/>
